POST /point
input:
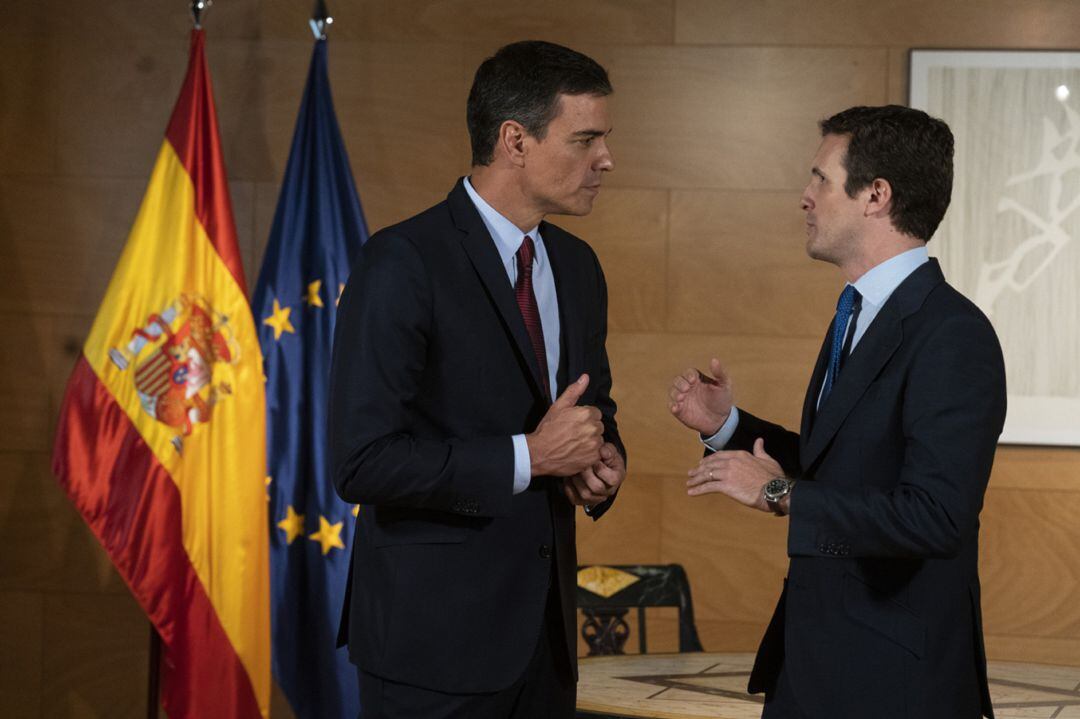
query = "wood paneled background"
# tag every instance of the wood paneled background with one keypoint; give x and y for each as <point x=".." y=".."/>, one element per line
<point x="698" y="229"/>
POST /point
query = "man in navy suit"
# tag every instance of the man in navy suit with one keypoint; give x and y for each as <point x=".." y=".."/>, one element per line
<point x="471" y="410"/>
<point x="883" y="484"/>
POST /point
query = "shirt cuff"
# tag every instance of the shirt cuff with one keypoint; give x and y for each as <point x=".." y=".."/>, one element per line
<point x="522" y="464"/>
<point x="723" y="435"/>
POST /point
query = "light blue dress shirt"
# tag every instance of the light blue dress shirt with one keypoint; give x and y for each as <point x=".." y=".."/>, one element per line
<point x="508" y="239"/>
<point x="876" y="286"/>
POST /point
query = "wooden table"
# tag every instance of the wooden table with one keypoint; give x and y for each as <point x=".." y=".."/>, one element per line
<point x="713" y="686"/>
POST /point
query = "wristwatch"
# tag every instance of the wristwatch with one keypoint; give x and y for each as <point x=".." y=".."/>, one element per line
<point x="775" y="490"/>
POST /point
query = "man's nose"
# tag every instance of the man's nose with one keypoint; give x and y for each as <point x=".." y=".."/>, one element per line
<point x="604" y="160"/>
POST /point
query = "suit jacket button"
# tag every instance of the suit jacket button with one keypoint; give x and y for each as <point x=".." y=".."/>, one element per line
<point x="545" y="551"/>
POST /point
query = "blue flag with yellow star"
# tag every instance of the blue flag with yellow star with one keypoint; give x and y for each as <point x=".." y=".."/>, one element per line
<point x="318" y="227"/>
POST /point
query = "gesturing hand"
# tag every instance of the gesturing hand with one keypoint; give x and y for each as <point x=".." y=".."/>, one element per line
<point x="701" y="402"/>
<point x="740" y="475"/>
<point x="595" y="484"/>
<point x="568" y="438"/>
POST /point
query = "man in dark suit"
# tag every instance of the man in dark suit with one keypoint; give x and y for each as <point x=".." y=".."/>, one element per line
<point x="456" y="331"/>
<point x="882" y="487"/>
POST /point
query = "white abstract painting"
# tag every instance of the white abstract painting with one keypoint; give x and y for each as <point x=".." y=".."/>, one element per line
<point x="1011" y="238"/>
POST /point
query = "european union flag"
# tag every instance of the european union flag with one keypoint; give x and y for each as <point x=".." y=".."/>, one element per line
<point x="318" y="227"/>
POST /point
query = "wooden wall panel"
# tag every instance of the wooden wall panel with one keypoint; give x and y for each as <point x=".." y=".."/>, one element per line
<point x="62" y="238"/>
<point x="636" y="22"/>
<point x="629" y="231"/>
<point x="630" y="532"/>
<point x="63" y="345"/>
<point x="738" y="265"/>
<point x="898" y="76"/>
<point x="924" y="23"/>
<point x="25" y="415"/>
<point x="769" y="373"/>
<point x="736" y="559"/>
<point x="111" y="111"/>
<point x="1042" y="650"/>
<point x="1029" y="583"/>
<point x="47" y="546"/>
<point x="245" y="217"/>
<point x="27" y="117"/>
<point x="237" y="19"/>
<point x="385" y="205"/>
<point x="20" y="652"/>
<point x="1042" y="469"/>
<point x="730" y="117"/>
<point x="95" y="656"/>
<point x="401" y="107"/>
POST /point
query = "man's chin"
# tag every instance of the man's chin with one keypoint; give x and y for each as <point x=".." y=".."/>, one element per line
<point x="815" y="252"/>
<point x="578" y="208"/>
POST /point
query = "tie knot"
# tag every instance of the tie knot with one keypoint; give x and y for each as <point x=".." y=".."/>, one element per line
<point x="847" y="300"/>
<point x="525" y="253"/>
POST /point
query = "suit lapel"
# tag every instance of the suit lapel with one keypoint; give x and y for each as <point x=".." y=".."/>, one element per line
<point x="866" y="360"/>
<point x="872" y="353"/>
<point x="480" y="248"/>
<point x="569" y="316"/>
<point x="812" y="391"/>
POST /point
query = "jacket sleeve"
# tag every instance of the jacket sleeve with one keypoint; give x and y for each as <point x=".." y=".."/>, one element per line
<point x="781" y="444"/>
<point x="953" y="412"/>
<point x="380" y="353"/>
<point x="603" y="381"/>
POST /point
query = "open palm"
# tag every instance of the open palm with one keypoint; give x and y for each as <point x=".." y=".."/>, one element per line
<point x="701" y="402"/>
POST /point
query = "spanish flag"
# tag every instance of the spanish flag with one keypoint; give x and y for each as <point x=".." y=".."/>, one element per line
<point x="161" y="443"/>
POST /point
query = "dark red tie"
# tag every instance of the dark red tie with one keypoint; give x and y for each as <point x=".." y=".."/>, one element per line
<point x="530" y="312"/>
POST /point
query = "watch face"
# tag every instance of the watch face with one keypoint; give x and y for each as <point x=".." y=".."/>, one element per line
<point x="776" y="487"/>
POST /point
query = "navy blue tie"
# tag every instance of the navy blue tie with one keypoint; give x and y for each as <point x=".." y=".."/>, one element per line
<point x="849" y="298"/>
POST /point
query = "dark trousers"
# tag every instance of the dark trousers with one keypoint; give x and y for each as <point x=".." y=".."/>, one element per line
<point x="547" y="689"/>
<point x="780" y="703"/>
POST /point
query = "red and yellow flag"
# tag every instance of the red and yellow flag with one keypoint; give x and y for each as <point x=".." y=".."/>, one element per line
<point x="161" y="442"/>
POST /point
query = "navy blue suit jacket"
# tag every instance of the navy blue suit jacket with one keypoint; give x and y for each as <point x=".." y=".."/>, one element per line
<point x="432" y="374"/>
<point x="880" y="615"/>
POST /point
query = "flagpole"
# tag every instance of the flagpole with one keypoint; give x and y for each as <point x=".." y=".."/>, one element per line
<point x="153" y="691"/>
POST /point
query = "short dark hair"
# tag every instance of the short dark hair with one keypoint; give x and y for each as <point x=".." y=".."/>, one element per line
<point x="522" y="82"/>
<point x="909" y="149"/>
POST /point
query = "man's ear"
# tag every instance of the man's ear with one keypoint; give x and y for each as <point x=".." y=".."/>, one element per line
<point x="879" y="198"/>
<point x="512" y="142"/>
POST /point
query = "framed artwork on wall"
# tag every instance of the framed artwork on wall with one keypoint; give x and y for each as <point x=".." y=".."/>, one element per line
<point x="1010" y="240"/>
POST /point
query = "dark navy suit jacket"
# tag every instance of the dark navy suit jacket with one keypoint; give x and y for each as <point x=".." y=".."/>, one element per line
<point x="432" y="375"/>
<point x="880" y="615"/>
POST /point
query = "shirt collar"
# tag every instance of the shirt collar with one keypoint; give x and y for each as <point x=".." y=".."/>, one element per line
<point x="881" y="281"/>
<point x="506" y="234"/>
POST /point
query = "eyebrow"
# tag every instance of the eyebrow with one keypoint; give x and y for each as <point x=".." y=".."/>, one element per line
<point x="591" y="133"/>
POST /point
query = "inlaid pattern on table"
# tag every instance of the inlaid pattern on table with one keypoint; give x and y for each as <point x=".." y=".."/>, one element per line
<point x="689" y="686"/>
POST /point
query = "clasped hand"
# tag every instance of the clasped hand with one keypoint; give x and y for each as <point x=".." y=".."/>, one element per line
<point x="569" y="443"/>
<point x="737" y="474"/>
